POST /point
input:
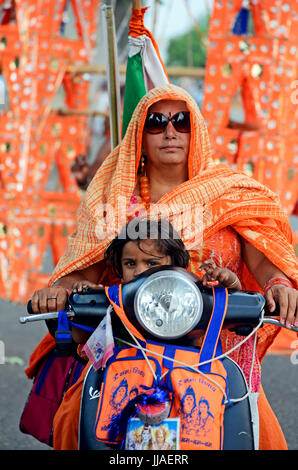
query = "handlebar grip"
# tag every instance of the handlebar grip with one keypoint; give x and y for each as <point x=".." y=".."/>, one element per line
<point x="29" y="307"/>
<point x="275" y="312"/>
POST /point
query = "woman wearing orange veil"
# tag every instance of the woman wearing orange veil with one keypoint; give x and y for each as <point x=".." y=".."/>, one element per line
<point x="241" y="227"/>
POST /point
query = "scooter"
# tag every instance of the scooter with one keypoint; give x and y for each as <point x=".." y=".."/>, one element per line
<point x="170" y="305"/>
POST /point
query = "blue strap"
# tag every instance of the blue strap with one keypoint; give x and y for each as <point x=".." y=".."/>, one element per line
<point x="63" y="333"/>
<point x="90" y="329"/>
<point x="169" y="352"/>
<point x="211" y="346"/>
<point x="113" y="292"/>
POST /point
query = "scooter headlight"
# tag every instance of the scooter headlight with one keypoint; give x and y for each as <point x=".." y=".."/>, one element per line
<point x="168" y="304"/>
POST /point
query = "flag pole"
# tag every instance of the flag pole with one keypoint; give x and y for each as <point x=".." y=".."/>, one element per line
<point x="113" y="74"/>
<point x="137" y="4"/>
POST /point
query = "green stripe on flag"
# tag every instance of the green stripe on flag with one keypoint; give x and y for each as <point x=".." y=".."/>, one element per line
<point x="134" y="88"/>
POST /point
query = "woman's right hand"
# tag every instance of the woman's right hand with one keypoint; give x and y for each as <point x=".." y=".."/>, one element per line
<point x="49" y="299"/>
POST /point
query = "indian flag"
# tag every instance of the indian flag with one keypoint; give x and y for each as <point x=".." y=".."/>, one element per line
<point x="145" y="69"/>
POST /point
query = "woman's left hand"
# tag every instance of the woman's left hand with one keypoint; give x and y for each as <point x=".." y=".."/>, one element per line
<point x="287" y="299"/>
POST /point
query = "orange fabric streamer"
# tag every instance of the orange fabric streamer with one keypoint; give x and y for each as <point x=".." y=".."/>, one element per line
<point x="137" y="28"/>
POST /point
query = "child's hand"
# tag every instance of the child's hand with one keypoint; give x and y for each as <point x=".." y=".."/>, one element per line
<point x="79" y="336"/>
<point x="79" y="285"/>
<point x="215" y="274"/>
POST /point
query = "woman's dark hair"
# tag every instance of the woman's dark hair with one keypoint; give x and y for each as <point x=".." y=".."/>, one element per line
<point x="167" y="240"/>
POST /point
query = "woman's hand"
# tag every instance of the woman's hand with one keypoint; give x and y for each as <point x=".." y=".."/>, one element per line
<point x="79" y="336"/>
<point x="264" y="271"/>
<point x="287" y="298"/>
<point x="222" y="276"/>
<point x="49" y="299"/>
<point x="78" y="286"/>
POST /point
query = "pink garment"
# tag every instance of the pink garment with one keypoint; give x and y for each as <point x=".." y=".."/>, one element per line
<point x="224" y="248"/>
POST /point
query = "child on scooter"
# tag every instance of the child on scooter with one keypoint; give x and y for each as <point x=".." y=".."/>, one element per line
<point x="144" y="244"/>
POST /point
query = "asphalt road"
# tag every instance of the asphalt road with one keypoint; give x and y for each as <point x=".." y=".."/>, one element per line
<point x="280" y="382"/>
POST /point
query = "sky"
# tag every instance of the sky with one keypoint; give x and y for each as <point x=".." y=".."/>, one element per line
<point x="173" y="18"/>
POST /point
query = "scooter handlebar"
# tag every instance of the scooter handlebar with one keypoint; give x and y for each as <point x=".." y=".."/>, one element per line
<point x="244" y="308"/>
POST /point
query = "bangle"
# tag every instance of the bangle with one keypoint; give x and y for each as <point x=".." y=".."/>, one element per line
<point x="276" y="280"/>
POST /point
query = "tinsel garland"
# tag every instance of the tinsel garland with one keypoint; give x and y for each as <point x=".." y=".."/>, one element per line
<point x="152" y="396"/>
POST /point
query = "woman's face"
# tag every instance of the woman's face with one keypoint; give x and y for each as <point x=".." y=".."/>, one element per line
<point x="188" y="403"/>
<point x="121" y="392"/>
<point x="203" y="408"/>
<point x="168" y="147"/>
<point x="159" y="436"/>
<point x="146" y="435"/>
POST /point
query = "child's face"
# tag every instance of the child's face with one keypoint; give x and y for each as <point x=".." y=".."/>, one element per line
<point x="134" y="261"/>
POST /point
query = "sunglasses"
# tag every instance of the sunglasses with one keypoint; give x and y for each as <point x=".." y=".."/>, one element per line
<point x="156" y="123"/>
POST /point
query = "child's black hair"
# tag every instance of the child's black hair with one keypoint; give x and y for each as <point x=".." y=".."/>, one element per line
<point x="167" y="240"/>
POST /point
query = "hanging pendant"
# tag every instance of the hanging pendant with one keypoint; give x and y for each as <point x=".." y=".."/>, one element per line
<point x="154" y="413"/>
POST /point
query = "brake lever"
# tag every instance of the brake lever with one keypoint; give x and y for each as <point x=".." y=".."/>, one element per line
<point x="275" y="322"/>
<point x="77" y="305"/>
<point x="43" y="316"/>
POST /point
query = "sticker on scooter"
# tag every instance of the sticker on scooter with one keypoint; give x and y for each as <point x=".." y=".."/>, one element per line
<point x="144" y="436"/>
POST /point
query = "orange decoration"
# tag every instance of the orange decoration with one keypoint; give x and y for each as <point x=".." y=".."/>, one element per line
<point x="255" y="76"/>
<point x="39" y="196"/>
